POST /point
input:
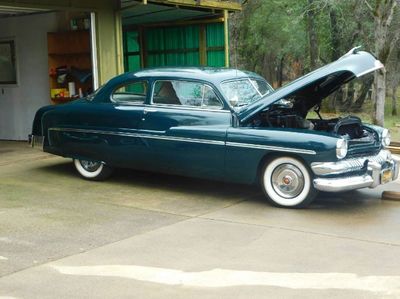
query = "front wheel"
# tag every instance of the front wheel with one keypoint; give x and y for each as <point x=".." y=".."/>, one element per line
<point x="288" y="183"/>
<point x="92" y="170"/>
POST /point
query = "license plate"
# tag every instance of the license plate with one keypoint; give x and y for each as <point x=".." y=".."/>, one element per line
<point x="386" y="176"/>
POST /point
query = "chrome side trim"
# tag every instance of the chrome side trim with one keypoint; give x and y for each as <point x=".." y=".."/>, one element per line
<point x="183" y="107"/>
<point x="272" y="148"/>
<point x="139" y="135"/>
<point x="186" y="139"/>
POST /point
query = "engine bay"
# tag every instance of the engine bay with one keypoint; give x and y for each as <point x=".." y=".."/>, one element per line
<point x="284" y="114"/>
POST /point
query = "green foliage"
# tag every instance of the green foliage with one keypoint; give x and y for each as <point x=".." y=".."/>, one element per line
<point x="271" y="35"/>
<point x="269" y="31"/>
<point x="275" y="37"/>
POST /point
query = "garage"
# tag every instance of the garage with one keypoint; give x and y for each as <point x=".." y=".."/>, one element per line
<point x="33" y="37"/>
<point x="54" y="51"/>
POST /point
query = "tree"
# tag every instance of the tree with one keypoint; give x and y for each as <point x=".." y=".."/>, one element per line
<point x="394" y="78"/>
<point x="283" y="39"/>
<point x="312" y="35"/>
<point x="382" y="12"/>
<point x="268" y="37"/>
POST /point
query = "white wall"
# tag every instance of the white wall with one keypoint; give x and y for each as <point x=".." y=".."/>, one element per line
<point x="19" y="104"/>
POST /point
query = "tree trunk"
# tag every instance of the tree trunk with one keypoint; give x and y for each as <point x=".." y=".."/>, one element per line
<point x="363" y="95"/>
<point x="380" y="95"/>
<point x="280" y="71"/>
<point x="335" y="54"/>
<point x="394" y="101"/>
<point x="335" y="35"/>
<point x="312" y="36"/>
<point x="348" y="101"/>
<point x="383" y="15"/>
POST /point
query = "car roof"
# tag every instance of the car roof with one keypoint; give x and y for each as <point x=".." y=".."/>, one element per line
<point x="212" y="74"/>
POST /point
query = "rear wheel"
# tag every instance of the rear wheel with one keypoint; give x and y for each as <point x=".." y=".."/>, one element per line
<point x="288" y="183"/>
<point x="92" y="170"/>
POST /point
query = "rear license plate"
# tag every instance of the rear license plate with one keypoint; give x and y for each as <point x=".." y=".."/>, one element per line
<point x="386" y="176"/>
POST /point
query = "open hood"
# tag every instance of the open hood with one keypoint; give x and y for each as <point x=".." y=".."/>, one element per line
<point x="312" y="88"/>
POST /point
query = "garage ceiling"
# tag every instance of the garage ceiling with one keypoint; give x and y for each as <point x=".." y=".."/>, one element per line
<point x="9" y="11"/>
<point x="135" y="12"/>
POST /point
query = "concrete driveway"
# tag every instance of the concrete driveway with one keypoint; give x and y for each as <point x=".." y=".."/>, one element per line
<point x="143" y="235"/>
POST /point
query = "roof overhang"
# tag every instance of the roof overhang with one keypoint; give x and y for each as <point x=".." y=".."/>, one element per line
<point x="142" y="12"/>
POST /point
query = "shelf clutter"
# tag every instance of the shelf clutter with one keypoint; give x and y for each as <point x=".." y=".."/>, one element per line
<point x="70" y="65"/>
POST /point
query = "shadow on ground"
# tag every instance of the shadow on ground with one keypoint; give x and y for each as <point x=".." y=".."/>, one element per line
<point x="200" y="187"/>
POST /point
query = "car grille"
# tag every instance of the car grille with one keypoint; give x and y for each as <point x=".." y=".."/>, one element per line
<point x="356" y="164"/>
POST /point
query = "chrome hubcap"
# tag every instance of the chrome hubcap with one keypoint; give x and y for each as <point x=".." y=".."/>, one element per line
<point x="90" y="165"/>
<point x="287" y="180"/>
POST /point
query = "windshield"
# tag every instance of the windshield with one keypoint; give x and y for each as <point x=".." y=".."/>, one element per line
<point x="242" y="92"/>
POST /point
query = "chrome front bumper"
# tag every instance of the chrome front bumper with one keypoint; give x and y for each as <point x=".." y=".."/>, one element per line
<point x="337" y="176"/>
<point x="36" y="141"/>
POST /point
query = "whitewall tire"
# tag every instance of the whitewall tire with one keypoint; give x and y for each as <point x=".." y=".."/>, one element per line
<point x="92" y="170"/>
<point x="287" y="182"/>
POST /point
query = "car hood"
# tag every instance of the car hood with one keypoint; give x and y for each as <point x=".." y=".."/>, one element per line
<point x="312" y="88"/>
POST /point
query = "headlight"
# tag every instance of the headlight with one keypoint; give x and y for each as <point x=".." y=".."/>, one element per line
<point x="341" y="148"/>
<point x="385" y="137"/>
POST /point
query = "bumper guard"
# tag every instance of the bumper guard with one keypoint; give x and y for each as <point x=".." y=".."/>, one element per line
<point x="377" y="169"/>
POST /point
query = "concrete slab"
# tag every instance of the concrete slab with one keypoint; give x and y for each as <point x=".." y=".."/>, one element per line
<point x="146" y="235"/>
<point x="361" y="215"/>
<point x="47" y="211"/>
<point x="192" y="259"/>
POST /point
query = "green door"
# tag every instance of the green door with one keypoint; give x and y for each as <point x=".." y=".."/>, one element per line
<point x="189" y="45"/>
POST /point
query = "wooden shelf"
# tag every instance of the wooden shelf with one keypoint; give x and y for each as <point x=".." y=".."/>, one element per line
<point x="68" y="42"/>
<point x="72" y="53"/>
<point x="72" y="50"/>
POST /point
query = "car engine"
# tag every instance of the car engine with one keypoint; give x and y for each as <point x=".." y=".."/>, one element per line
<point x="283" y="115"/>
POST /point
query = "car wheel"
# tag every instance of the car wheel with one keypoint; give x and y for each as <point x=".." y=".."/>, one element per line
<point x="287" y="182"/>
<point x="92" y="170"/>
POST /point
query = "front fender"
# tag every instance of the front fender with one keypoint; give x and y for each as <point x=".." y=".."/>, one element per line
<point x="248" y="147"/>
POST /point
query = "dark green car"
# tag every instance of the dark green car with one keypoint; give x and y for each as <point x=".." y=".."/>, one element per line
<point x="224" y="124"/>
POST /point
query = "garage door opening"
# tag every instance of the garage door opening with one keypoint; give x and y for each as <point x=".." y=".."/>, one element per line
<point x="49" y="59"/>
<point x="157" y="34"/>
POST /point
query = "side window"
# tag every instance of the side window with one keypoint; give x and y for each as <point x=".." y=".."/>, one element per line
<point x="186" y="93"/>
<point x="134" y="92"/>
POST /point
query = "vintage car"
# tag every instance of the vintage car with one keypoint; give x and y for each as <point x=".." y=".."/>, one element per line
<point x="224" y="124"/>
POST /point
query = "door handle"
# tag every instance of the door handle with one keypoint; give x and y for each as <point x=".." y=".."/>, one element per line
<point x="148" y="110"/>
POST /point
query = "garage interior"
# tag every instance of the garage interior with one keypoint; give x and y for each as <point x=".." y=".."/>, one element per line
<point x="58" y="55"/>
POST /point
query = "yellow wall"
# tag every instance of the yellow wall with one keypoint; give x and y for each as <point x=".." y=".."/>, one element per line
<point x="108" y="28"/>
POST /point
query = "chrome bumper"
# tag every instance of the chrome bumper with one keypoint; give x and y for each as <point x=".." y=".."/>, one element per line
<point x="373" y="166"/>
<point x="36" y="141"/>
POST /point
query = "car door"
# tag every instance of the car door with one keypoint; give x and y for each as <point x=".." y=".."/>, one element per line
<point x="128" y="102"/>
<point x="185" y="128"/>
<point x="104" y="130"/>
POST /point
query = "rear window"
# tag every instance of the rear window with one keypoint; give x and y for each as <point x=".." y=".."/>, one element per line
<point x="134" y="92"/>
